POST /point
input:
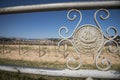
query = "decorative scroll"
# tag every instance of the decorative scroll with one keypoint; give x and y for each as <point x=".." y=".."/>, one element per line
<point x="68" y="38"/>
<point x="109" y="39"/>
<point x="88" y="39"/>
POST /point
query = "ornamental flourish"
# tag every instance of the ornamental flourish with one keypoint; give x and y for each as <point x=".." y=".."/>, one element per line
<point x="89" y="39"/>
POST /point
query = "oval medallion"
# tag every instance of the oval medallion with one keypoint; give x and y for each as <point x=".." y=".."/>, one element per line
<point x="88" y="39"/>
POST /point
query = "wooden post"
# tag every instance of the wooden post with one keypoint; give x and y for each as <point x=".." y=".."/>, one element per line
<point x="19" y="46"/>
<point x="3" y="47"/>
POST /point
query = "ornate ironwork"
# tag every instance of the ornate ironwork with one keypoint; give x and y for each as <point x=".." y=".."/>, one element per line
<point x="89" y="38"/>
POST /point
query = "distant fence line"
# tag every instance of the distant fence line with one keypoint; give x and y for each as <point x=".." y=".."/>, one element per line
<point x="39" y="42"/>
<point x="24" y="46"/>
<point x="5" y="45"/>
<point x="29" y="42"/>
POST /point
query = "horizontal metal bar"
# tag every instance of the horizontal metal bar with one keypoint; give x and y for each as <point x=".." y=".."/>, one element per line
<point x="61" y="6"/>
<point x="111" y="74"/>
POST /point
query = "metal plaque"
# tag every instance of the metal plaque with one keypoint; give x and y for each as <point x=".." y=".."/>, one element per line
<point x="88" y="39"/>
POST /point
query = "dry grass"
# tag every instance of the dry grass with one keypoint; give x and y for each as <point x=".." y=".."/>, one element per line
<point x="48" y="57"/>
<point x="53" y="54"/>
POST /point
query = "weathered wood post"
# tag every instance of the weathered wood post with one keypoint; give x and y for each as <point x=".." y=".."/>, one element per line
<point x="3" y="47"/>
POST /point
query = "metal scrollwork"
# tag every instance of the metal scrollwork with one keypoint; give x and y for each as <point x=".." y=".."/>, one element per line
<point x="89" y="39"/>
<point x="68" y="38"/>
<point x="71" y="19"/>
<point x="108" y="39"/>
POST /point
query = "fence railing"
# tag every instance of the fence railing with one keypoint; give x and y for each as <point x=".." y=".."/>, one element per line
<point x="87" y="41"/>
<point x="61" y="6"/>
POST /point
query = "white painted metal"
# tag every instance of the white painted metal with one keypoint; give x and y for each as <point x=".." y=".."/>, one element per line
<point x="89" y="78"/>
<point x="61" y="6"/>
<point x="82" y="42"/>
<point x="111" y="74"/>
<point x="89" y="74"/>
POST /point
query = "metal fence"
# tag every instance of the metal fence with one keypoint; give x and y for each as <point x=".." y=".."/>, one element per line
<point x="88" y="42"/>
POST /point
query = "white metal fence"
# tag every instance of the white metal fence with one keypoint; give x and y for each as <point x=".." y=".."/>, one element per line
<point x="71" y="72"/>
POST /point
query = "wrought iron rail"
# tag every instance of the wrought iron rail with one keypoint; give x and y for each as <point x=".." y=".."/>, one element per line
<point x="111" y="74"/>
<point x="61" y="6"/>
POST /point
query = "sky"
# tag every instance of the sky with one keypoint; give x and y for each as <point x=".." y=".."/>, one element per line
<point x="46" y="24"/>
